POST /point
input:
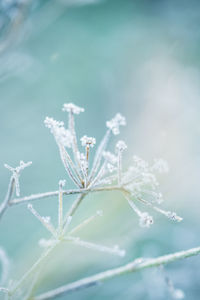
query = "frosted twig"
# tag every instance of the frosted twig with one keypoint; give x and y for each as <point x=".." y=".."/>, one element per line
<point x="133" y="266"/>
<point x="99" y="154"/>
<point x="44" y="220"/>
<point x="171" y="215"/>
<point x="16" y="173"/>
<point x="85" y="222"/>
<point x="76" y="240"/>
<point x="60" y="206"/>
<point x="72" y="209"/>
<point x="64" y="157"/>
<point x="65" y="192"/>
<point x="6" y="201"/>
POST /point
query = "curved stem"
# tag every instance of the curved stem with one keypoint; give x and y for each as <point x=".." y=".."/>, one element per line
<point x="134" y="266"/>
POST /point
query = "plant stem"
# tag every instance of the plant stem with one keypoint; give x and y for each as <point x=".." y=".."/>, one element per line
<point x="72" y="209"/>
<point x="6" y="201"/>
<point x="133" y="266"/>
<point x="33" y="268"/>
<point x="65" y="192"/>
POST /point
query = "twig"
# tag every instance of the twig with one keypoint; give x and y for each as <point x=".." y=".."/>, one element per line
<point x="133" y="266"/>
<point x="9" y="194"/>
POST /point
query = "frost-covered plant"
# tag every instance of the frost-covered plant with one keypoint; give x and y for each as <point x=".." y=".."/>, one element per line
<point x="105" y="172"/>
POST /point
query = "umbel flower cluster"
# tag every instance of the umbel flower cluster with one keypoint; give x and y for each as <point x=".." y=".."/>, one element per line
<point x="137" y="183"/>
<point x="103" y="171"/>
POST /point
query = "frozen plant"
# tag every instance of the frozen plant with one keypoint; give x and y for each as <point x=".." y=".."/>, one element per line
<point x="138" y="184"/>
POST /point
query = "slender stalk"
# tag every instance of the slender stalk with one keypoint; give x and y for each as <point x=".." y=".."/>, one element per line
<point x="60" y="209"/>
<point x="6" y="201"/>
<point x="133" y="266"/>
<point x="73" y="208"/>
<point x="33" y="268"/>
<point x="84" y="223"/>
<point x="65" y="192"/>
<point x="99" y="153"/>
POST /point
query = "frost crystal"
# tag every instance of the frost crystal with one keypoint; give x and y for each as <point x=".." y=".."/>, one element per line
<point x="16" y="173"/>
<point x="70" y="107"/>
<point x="62" y="135"/>
<point x="90" y="141"/>
<point x="145" y="220"/>
<point x="114" y="123"/>
<point x="173" y="216"/>
<point x="121" y="146"/>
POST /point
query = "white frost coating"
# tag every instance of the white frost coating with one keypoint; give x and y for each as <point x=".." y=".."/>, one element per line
<point x="70" y="107"/>
<point x="90" y="141"/>
<point x="4" y="261"/>
<point x="115" y="250"/>
<point x="121" y="146"/>
<point x="62" y="136"/>
<point x="44" y="220"/>
<point x="115" y="123"/>
<point x="145" y="220"/>
<point x="16" y="173"/>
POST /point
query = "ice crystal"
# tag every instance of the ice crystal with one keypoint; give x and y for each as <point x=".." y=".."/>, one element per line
<point x="63" y="136"/>
<point x="145" y="220"/>
<point x="88" y="141"/>
<point x="115" y="123"/>
<point x="16" y="173"/>
<point x="70" y="107"/>
<point x="121" y="146"/>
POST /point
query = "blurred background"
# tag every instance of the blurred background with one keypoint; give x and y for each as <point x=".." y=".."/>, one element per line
<point x="140" y="58"/>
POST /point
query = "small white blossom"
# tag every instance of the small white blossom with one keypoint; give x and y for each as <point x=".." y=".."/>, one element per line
<point x="145" y="220"/>
<point x="85" y="140"/>
<point x="160" y="166"/>
<point x="70" y="107"/>
<point x="114" y="123"/>
<point x="121" y="146"/>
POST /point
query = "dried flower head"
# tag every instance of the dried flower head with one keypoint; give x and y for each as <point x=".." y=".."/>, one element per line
<point x="121" y="146"/>
<point x="88" y="141"/>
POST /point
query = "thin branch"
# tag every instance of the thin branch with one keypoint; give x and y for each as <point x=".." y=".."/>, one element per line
<point x="65" y="192"/>
<point x="72" y="209"/>
<point x="8" y="196"/>
<point x="133" y="266"/>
